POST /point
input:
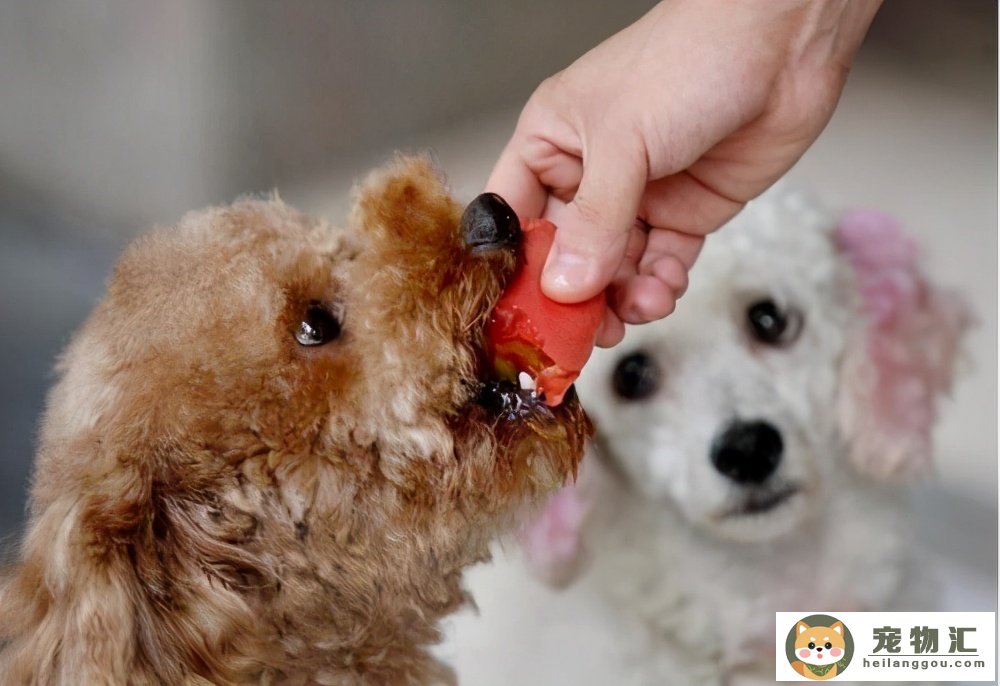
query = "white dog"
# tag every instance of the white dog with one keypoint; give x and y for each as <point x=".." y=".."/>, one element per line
<point x="748" y="460"/>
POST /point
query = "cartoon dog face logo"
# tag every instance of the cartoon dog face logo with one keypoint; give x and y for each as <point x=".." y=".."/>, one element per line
<point x="819" y="647"/>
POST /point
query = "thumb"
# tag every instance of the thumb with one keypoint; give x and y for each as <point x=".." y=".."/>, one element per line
<point x="594" y="227"/>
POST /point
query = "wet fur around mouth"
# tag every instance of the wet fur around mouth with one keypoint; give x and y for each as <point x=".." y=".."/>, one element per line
<point x="214" y="503"/>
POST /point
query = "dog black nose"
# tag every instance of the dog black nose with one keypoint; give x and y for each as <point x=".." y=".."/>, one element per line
<point x="747" y="452"/>
<point x="489" y="223"/>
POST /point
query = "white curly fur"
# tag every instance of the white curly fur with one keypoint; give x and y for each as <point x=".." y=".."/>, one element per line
<point x="676" y="590"/>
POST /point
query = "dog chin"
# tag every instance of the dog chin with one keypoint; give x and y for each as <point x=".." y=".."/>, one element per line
<point x="756" y="518"/>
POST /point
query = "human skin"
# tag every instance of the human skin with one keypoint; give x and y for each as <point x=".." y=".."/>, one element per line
<point x="661" y="133"/>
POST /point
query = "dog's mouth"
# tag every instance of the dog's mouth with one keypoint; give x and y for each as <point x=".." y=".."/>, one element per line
<point x="536" y="447"/>
<point x="517" y="411"/>
<point x="761" y="501"/>
<point x="510" y="401"/>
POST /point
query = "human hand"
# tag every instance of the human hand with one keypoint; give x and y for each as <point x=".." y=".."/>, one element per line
<point x="660" y="134"/>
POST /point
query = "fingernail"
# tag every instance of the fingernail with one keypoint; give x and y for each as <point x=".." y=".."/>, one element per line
<point x="567" y="272"/>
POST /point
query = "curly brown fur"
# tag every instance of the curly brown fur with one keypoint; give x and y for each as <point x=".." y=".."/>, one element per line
<point x="214" y="503"/>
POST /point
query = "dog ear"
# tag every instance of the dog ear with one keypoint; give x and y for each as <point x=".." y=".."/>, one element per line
<point x="900" y="357"/>
<point x="67" y="617"/>
<point x="100" y="576"/>
<point x="838" y="627"/>
<point x="553" y="540"/>
<point x="802" y="627"/>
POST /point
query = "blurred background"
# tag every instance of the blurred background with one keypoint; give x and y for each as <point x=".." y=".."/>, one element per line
<point x="117" y="115"/>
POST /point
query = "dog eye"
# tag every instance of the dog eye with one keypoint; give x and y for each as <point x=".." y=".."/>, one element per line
<point x="318" y="326"/>
<point x="811" y="645"/>
<point x="636" y="377"/>
<point x="772" y="325"/>
<point x="828" y="645"/>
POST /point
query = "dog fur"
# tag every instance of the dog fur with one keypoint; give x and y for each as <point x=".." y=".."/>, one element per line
<point x="673" y="572"/>
<point x="214" y="503"/>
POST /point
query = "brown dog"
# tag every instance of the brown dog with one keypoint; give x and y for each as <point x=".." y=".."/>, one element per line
<point x="271" y="452"/>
